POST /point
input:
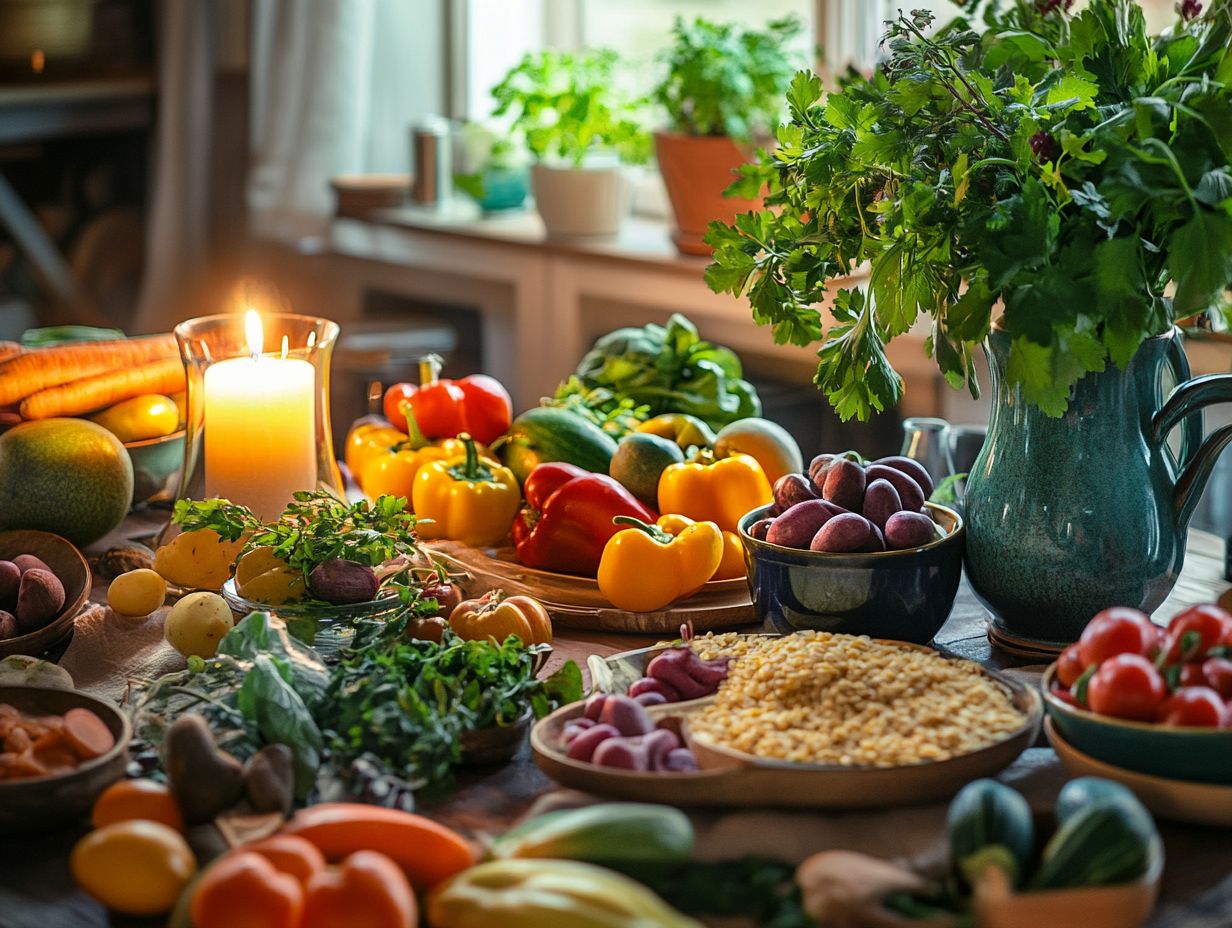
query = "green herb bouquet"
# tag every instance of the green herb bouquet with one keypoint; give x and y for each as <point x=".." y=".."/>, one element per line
<point x="1061" y="173"/>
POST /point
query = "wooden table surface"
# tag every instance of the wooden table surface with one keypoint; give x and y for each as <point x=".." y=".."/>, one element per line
<point x="36" y="890"/>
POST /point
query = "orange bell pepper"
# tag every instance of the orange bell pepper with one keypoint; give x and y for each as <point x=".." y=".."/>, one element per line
<point x="368" y="890"/>
<point x="245" y="890"/>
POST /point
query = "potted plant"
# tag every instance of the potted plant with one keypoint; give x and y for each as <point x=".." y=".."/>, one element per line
<point x="492" y="170"/>
<point x="579" y="129"/>
<point x="1058" y="187"/>
<point x="722" y="91"/>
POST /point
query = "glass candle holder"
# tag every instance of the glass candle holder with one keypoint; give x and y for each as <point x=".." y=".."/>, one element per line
<point x="257" y="417"/>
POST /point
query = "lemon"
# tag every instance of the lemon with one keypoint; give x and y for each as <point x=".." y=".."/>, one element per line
<point x="141" y="418"/>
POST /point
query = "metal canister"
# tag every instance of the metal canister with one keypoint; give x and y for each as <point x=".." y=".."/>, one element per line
<point x="431" y="162"/>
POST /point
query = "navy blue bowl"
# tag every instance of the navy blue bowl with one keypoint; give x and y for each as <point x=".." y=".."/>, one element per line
<point x="900" y="595"/>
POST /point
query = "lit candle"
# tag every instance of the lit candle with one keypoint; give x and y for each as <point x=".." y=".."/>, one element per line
<point x="260" y="435"/>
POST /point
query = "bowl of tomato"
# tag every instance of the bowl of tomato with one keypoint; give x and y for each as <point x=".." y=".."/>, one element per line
<point x="1147" y="698"/>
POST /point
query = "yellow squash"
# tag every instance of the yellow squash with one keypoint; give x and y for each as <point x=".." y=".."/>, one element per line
<point x="646" y="567"/>
<point x="719" y="491"/>
<point x="466" y="499"/>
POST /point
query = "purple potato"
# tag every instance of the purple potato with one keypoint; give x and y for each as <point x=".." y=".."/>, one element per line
<point x="574" y="728"/>
<point x="796" y="527"/>
<point x="759" y="529"/>
<point x="652" y="685"/>
<point x="651" y="698"/>
<point x="10" y="580"/>
<point x="910" y="495"/>
<point x="26" y="562"/>
<point x="582" y="745"/>
<point x="913" y="469"/>
<point x="818" y="467"/>
<point x="8" y="626"/>
<point x="645" y="752"/>
<point x="791" y="489"/>
<point x="841" y="534"/>
<point x="594" y="706"/>
<point x="626" y="714"/>
<point x="680" y="760"/>
<point x="909" y="530"/>
<point x="669" y="667"/>
<point x="876" y="541"/>
<point x="844" y="484"/>
<point x="881" y="501"/>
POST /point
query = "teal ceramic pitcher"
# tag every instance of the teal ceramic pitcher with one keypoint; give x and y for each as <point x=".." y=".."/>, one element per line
<point x="1066" y="516"/>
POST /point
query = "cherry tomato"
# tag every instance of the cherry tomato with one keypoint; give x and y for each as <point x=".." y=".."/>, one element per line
<point x="1065" y="696"/>
<point x="1193" y="707"/>
<point x="489" y="410"/>
<point x="1069" y="666"/>
<point x="1217" y="674"/>
<point x="1192" y="675"/>
<point x="1126" y="686"/>
<point x="1192" y="633"/>
<point x="1119" y="630"/>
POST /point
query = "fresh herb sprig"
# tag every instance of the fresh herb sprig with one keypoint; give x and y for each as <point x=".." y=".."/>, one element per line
<point x="316" y="527"/>
<point x="1073" y="170"/>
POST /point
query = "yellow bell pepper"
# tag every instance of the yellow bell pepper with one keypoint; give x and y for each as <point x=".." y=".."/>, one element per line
<point x="686" y="431"/>
<point x="393" y="472"/>
<point x="721" y="491"/>
<point x="367" y="440"/>
<point x="731" y="566"/>
<point x="645" y="567"/>
<point x="467" y="499"/>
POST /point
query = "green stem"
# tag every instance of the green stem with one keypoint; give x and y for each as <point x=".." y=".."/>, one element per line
<point x="652" y="530"/>
<point x="417" y="439"/>
<point x="430" y="369"/>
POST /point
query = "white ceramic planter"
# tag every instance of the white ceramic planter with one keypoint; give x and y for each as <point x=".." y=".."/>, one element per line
<point x="585" y="202"/>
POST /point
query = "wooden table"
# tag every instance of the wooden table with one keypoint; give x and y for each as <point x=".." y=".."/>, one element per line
<point x="36" y="890"/>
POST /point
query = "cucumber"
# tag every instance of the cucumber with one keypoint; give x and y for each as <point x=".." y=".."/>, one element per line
<point x="609" y="831"/>
<point x="550" y="434"/>
<point x="1100" y="844"/>
<point x="990" y="825"/>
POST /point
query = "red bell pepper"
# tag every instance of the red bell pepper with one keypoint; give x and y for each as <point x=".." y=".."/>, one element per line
<point x="568" y="518"/>
<point x="477" y="404"/>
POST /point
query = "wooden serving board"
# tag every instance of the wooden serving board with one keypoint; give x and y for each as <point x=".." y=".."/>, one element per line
<point x="575" y="602"/>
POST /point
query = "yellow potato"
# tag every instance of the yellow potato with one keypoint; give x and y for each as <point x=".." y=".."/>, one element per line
<point x="254" y="563"/>
<point x="138" y="592"/>
<point x="198" y="560"/>
<point x="275" y="587"/>
<point x="197" y="623"/>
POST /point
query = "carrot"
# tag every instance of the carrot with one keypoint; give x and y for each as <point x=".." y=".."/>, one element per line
<point x="428" y="852"/>
<point x="10" y="350"/>
<point x="87" y="734"/>
<point x="106" y="389"/>
<point x="31" y="371"/>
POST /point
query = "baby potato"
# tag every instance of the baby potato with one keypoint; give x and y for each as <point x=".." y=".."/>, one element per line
<point x="198" y="560"/>
<point x="137" y="592"/>
<point x="197" y="623"/>
<point x="274" y="587"/>
<point x="256" y="562"/>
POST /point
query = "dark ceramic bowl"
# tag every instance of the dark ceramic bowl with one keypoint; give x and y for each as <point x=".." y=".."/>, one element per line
<point x="41" y="803"/>
<point x="156" y="464"/>
<point x="900" y="595"/>
<point x="1198" y="755"/>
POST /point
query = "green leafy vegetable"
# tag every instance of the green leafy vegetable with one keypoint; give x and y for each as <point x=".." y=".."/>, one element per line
<point x="725" y="80"/>
<point x="1072" y="170"/>
<point x="51" y="336"/>
<point x="268" y="698"/>
<point x="615" y="414"/>
<point x="566" y="106"/>
<point x="668" y="369"/>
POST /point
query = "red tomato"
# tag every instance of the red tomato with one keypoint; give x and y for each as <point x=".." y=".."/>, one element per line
<point x="1217" y="673"/>
<point x="1192" y="633"/>
<point x="1126" y="686"/>
<point x="1069" y="666"/>
<point x="489" y="410"/>
<point x="1065" y="696"/>
<point x="1193" y="707"/>
<point x="1192" y="675"/>
<point x="1119" y="630"/>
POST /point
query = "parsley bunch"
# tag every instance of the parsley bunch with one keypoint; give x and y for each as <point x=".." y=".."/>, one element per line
<point x="1070" y="173"/>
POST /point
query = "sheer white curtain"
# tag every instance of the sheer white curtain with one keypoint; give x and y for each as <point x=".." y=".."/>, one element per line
<point x="335" y="86"/>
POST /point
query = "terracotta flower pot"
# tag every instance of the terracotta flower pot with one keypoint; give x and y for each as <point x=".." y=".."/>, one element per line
<point x="696" y="170"/>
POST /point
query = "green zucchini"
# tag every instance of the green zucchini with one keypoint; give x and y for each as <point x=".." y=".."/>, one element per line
<point x="550" y="434"/>
<point x="990" y="825"/>
<point x="1086" y="791"/>
<point x="1101" y="844"/>
<point x="609" y="831"/>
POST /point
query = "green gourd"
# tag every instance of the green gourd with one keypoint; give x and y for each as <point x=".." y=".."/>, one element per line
<point x="990" y="824"/>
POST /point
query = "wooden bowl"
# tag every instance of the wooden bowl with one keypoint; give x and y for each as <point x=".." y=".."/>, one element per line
<point x="68" y="564"/>
<point x="61" y="799"/>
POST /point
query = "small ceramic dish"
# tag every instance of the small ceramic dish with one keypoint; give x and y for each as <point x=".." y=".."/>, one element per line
<point x="69" y="566"/>
<point x="1175" y="800"/>
<point x="156" y="462"/>
<point x="488" y="747"/>
<point x="899" y="595"/>
<point x="44" y="802"/>
<point x="1197" y="755"/>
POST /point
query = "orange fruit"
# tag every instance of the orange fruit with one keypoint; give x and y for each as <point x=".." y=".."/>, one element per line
<point x="129" y="800"/>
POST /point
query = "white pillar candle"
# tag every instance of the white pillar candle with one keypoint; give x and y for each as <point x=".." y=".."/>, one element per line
<point x="260" y="428"/>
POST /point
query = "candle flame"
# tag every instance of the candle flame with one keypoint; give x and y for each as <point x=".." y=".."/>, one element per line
<point x="256" y="336"/>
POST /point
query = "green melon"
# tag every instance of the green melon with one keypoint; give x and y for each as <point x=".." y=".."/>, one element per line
<point x="66" y="476"/>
